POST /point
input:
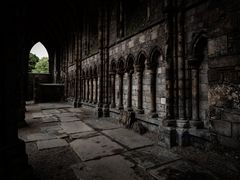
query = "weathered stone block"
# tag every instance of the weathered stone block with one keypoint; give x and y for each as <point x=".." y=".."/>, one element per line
<point x="223" y="127"/>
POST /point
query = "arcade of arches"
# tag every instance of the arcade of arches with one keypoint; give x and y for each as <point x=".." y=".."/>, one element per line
<point x="172" y="64"/>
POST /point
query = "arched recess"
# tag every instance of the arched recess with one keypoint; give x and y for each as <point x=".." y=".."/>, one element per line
<point x="198" y="63"/>
<point x="157" y="83"/>
<point x="113" y="79"/>
<point x="141" y="87"/>
<point x="120" y="72"/>
<point x="130" y="71"/>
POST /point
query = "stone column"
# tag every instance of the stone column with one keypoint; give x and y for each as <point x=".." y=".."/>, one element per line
<point x="195" y="122"/>
<point x="139" y="73"/>
<point x="88" y="89"/>
<point x="152" y="77"/>
<point x="91" y="100"/>
<point x="120" y="106"/>
<point x="96" y="89"/>
<point x="129" y="101"/>
<point x="113" y="101"/>
<point x="84" y="89"/>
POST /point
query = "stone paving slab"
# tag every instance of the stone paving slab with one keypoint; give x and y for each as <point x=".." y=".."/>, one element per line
<point x="50" y="118"/>
<point x="38" y="115"/>
<point x="39" y="136"/>
<point x="52" y="143"/>
<point x="95" y="147"/>
<point x="69" y="119"/>
<point x="102" y="124"/>
<point x="66" y="114"/>
<point x="75" y="110"/>
<point x="83" y="135"/>
<point x="181" y="170"/>
<point x="54" y="105"/>
<point x="150" y="157"/>
<point x="108" y="168"/>
<point x="128" y="138"/>
<point x="51" y="111"/>
<point x="75" y="127"/>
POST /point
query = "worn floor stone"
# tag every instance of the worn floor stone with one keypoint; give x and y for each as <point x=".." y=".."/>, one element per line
<point x="51" y="111"/>
<point x="128" y="138"/>
<point x="52" y="143"/>
<point x="108" y="168"/>
<point x="150" y="157"/>
<point x="39" y="136"/>
<point x="102" y="124"/>
<point x="181" y="170"/>
<point x="95" y="147"/>
<point x="68" y="118"/>
<point x="75" y="127"/>
<point x="49" y="118"/>
<point x="83" y="135"/>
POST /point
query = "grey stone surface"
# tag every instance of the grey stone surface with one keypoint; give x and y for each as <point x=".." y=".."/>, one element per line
<point x="128" y="138"/>
<point x="68" y="118"/>
<point x="151" y="156"/>
<point x="39" y="136"/>
<point x="51" y="111"/>
<point x="75" y="127"/>
<point x="108" y="168"/>
<point x="95" y="147"/>
<point x="52" y="143"/>
<point x="102" y="124"/>
<point x="47" y="119"/>
<point x="83" y="135"/>
<point x="181" y="170"/>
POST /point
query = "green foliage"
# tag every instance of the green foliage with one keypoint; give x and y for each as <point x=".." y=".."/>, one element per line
<point x="33" y="60"/>
<point x="42" y="66"/>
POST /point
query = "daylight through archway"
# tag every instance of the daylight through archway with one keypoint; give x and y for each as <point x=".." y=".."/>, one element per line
<point x="38" y="59"/>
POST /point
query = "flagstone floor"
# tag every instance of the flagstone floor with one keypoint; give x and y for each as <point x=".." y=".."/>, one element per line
<point x="66" y="143"/>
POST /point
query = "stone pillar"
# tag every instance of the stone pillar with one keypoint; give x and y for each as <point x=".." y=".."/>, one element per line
<point x="120" y="105"/>
<point x="91" y="99"/>
<point x="96" y="89"/>
<point x="88" y="89"/>
<point x="84" y="89"/>
<point x="129" y="101"/>
<point x="195" y="122"/>
<point x="152" y="76"/>
<point x="139" y="73"/>
<point x="113" y="101"/>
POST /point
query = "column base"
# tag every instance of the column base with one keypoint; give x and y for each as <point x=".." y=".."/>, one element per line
<point x="120" y="108"/>
<point x="75" y="103"/>
<point x="14" y="163"/>
<point x="182" y="123"/>
<point x="79" y="103"/>
<point x="140" y="111"/>
<point x="130" y="109"/>
<point x="196" y="124"/>
<point x="106" y="112"/>
<point x="113" y="105"/>
<point x="153" y="115"/>
<point x="167" y="137"/>
<point x="183" y="138"/>
<point x="169" y="123"/>
<point x="99" y="111"/>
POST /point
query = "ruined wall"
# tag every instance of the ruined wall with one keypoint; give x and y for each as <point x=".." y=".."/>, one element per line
<point x="197" y="42"/>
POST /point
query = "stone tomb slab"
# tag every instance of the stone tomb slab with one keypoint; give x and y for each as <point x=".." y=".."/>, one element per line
<point x="149" y="157"/>
<point x="108" y="168"/>
<point x="128" y="138"/>
<point x="52" y="143"/>
<point x="95" y="147"/>
<point x="102" y="124"/>
<point x="75" y="127"/>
